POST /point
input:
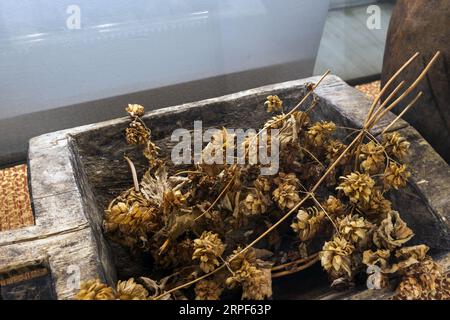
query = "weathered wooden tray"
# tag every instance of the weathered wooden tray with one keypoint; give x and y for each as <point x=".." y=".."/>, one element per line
<point x="76" y="172"/>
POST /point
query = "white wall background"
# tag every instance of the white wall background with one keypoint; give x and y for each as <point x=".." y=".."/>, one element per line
<point x="126" y="46"/>
<point x="130" y="46"/>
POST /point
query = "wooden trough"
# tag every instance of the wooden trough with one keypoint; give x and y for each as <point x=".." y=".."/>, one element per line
<point x="76" y="172"/>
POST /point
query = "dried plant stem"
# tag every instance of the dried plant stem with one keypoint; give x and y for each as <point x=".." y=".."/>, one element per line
<point x="294" y="263"/>
<point x="184" y="285"/>
<point x="313" y="156"/>
<point x="378" y="97"/>
<point x="294" y="270"/>
<point x="374" y="118"/>
<point x="217" y="199"/>
<point x="326" y="213"/>
<point x="377" y="117"/>
<point x="189" y="171"/>
<point x="300" y="103"/>
<point x="391" y="95"/>
<point x="386" y="86"/>
<point x="411" y="104"/>
<point x="133" y="173"/>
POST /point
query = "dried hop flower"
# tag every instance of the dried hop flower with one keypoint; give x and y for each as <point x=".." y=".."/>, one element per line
<point x="336" y="257"/>
<point x="408" y="256"/>
<point x="376" y="258"/>
<point x="392" y="232"/>
<point x="273" y="103"/>
<point x="135" y="110"/>
<point x="130" y="290"/>
<point x="95" y="290"/>
<point x="236" y="261"/>
<point x="208" y="290"/>
<point x="255" y="203"/>
<point x="354" y="228"/>
<point x="378" y="205"/>
<point x="334" y="149"/>
<point x="333" y="206"/>
<point x="357" y="186"/>
<point x="426" y="272"/>
<point x="307" y="223"/>
<point x="395" y="145"/>
<point x="319" y="132"/>
<point x="418" y="252"/>
<point x="286" y="195"/>
<point x="134" y="220"/>
<point x="208" y="249"/>
<point x="408" y="289"/>
<point x="256" y="282"/>
<point x="262" y="184"/>
<point x="395" y="176"/>
<point x="136" y="133"/>
<point x="372" y="157"/>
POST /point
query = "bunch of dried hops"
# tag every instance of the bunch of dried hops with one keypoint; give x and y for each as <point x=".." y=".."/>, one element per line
<point x="422" y="278"/>
<point x="194" y="222"/>
<point x="125" y="290"/>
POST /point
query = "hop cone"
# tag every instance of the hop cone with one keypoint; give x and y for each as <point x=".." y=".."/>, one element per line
<point x="208" y="248"/>
<point x="95" y="290"/>
<point x="336" y="257"/>
<point x="357" y="186"/>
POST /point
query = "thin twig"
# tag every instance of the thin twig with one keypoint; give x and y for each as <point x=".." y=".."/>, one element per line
<point x="389" y="98"/>
<point x="189" y="172"/>
<point x="325" y="211"/>
<point x="391" y="95"/>
<point x="377" y="117"/>
<point x="184" y="285"/>
<point x="386" y="86"/>
<point x="403" y="112"/>
<point x="293" y="263"/>
<point x="312" y="156"/>
<point x="294" y="270"/>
